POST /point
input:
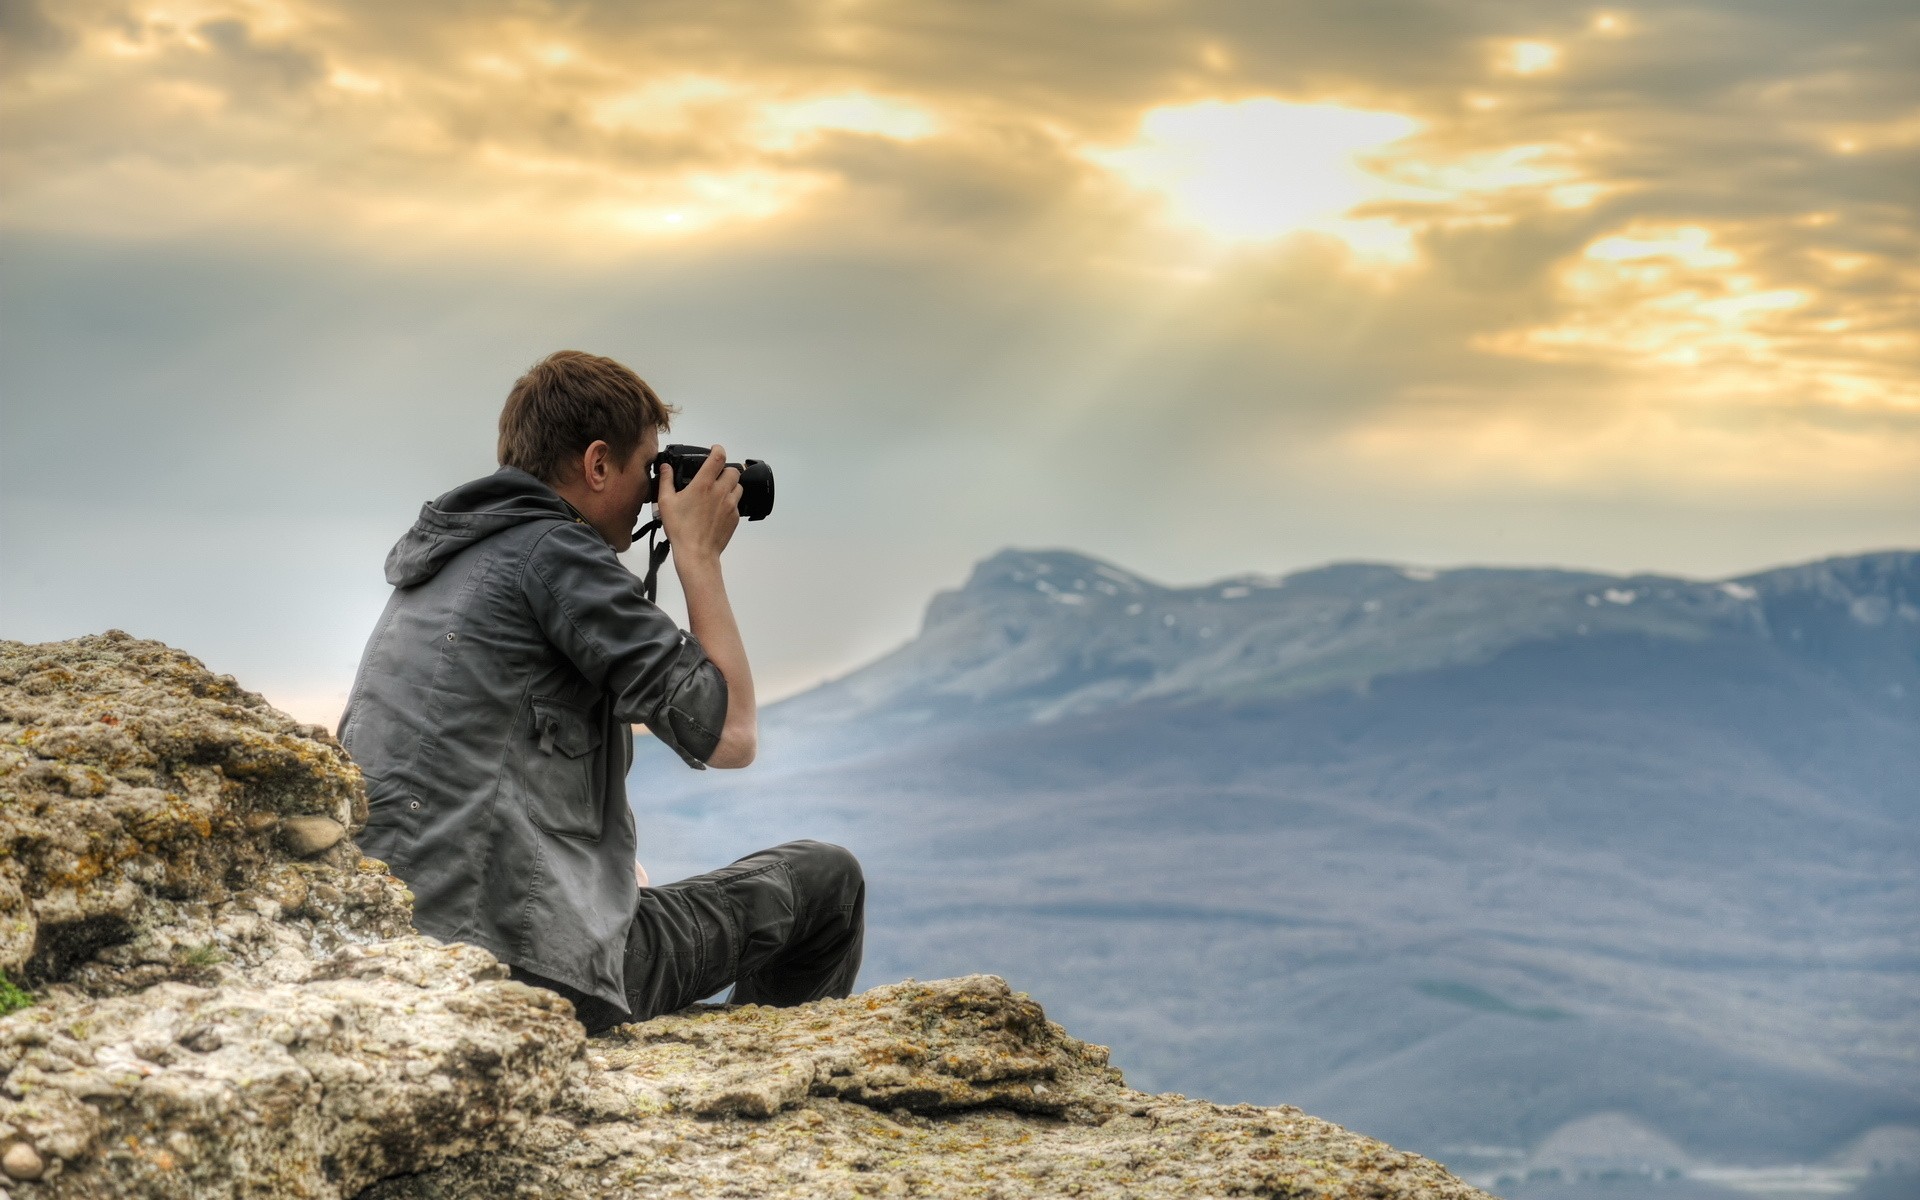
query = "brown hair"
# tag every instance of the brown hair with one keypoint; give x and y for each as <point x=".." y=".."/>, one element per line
<point x="566" y="402"/>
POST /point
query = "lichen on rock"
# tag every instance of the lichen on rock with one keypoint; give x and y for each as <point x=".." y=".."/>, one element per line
<point x="222" y="1009"/>
<point x="956" y="1087"/>
<point x="229" y="1002"/>
<point x="140" y="796"/>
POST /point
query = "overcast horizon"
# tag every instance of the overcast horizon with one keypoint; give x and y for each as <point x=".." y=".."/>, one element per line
<point x="1202" y="289"/>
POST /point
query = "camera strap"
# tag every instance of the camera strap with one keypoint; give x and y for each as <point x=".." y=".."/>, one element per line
<point x="656" y="554"/>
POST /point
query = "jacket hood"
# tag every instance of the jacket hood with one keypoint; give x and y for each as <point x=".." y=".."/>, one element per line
<point x="470" y="513"/>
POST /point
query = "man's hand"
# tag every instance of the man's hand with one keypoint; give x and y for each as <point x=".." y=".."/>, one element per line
<point x="640" y="874"/>
<point x="700" y="520"/>
<point x="701" y="515"/>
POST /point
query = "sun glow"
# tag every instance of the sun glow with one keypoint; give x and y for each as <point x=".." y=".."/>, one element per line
<point x="1528" y="58"/>
<point x="712" y="105"/>
<point x="1509" y="251"/>
<point x="786" y="126"/>
<point x="1258" y="168"/>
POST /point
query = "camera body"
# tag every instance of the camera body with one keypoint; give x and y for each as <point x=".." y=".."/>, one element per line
<point x="756" y="477"/>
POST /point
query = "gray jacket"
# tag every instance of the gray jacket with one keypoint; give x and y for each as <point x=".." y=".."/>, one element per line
<point x="491" y="716"/>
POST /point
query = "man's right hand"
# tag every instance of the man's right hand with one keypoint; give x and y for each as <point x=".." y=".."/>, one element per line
<point x="700" y="516"/>
<point x="700" y="519"/>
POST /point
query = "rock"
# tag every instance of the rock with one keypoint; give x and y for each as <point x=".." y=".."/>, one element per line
<point x="223" y="1014"/>
<point x="304" y="837"/>
<point x="22" y="1161"/>
<point x="904" y="1089"/>
<point x="216" y="1017"/>
<point x="932" y="1048"/>
<point x="129" y="774"/>
<point x="383" y="1060"/>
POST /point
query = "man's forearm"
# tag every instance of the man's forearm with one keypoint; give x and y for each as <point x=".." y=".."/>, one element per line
<point x="710" y="614"/>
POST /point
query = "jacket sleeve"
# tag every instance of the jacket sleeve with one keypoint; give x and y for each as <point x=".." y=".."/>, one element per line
<point x="590" y="607"/>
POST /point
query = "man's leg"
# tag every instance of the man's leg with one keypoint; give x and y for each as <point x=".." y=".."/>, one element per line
<point x="784" y="926"/>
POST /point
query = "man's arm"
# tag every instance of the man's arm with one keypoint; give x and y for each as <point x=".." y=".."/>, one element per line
<point x="699" y="520"/>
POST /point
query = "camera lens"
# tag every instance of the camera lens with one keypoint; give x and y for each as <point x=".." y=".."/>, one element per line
<point x="756" y="490"/>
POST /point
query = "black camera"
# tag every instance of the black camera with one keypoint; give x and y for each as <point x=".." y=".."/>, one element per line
<point x="756" y="477"/>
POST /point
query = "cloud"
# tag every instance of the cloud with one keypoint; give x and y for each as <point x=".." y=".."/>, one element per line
<point x="27" y="31"/>
<point x="1322" y="264"/>
<point x="284" y="66"/>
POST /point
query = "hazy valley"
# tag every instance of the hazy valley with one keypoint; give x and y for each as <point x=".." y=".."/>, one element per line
<point x="1557" y="877"/>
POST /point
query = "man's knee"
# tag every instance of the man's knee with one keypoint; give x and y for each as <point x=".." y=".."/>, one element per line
<point x="826" y="868"/>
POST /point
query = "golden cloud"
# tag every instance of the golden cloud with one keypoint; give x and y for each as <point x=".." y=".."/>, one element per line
<point x="1680" y="302"/>
<point x="1533" y="197"/>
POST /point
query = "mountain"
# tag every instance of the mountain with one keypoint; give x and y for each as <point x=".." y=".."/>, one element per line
<point x="1464" y="859"/>
<point x="1037" y="636"/>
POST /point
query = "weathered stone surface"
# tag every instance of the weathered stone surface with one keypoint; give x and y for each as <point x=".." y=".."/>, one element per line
<point x="138" y="795"/>
<point x="229" y="1003"/>
<point x="931" y="1048"/>
<point x="387" y="1058"/>
<point x="957" y="1087"/>
<point x="215" y="1018"/>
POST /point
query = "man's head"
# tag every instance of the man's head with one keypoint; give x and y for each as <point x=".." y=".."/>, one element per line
<point x="588" y="427"/>
<point x="566" y="402"/>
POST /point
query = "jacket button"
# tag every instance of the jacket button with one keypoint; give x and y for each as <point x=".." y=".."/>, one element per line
<point x="413" y="805"/>
<point x="449" y="637"/>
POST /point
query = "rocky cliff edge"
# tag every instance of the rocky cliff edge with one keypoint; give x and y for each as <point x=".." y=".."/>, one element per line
<point x="227" y="1001"/>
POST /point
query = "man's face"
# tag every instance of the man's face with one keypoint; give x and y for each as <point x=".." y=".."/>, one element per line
<point x="629" y="488"/>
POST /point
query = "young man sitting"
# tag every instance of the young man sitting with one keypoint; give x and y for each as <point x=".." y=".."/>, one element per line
<point x="492" y="716"/>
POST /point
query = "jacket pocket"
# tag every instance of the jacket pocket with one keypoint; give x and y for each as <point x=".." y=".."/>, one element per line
<point x="561" y="776"/>
<point x="393" y="822"/>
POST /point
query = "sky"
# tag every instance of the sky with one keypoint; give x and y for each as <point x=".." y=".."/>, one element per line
<point x="1204" y="289"/>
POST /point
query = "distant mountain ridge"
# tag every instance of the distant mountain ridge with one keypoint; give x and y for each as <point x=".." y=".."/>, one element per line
<point x="1039" y="635"/>
<point x="1477" y="860"/>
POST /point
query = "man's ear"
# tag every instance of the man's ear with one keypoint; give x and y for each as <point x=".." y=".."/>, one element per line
<point x="595" y="461"/>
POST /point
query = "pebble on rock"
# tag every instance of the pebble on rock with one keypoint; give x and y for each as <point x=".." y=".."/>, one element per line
<point x="22" y="1161"/>
<point x="305" y="837"/>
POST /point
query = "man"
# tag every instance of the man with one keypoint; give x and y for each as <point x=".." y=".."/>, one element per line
<point x="492" y="717"/>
